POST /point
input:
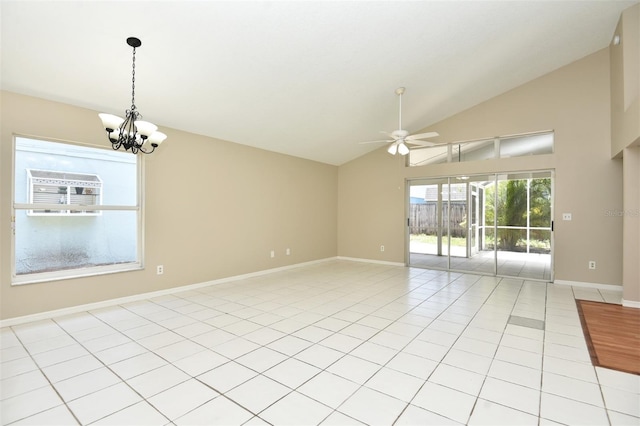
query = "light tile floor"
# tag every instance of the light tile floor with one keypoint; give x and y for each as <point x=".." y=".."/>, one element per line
<point x="335" y="343"/>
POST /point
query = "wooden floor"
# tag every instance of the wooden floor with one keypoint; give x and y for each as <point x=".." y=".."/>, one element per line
<point x="613" y="335"/>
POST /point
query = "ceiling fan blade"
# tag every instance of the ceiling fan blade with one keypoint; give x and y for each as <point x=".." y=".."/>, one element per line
<point x="422" y="143"/>
<point x="422" y="136"/>
<point x="380" y="141"/>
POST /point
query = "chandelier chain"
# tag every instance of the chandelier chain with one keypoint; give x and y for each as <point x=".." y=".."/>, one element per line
<point x="133" y="81"/>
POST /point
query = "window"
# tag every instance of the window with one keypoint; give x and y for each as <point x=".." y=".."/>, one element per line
<point x="484" y="149"/>
<point x="46" y="187"/>
<point x="76" y="211"/>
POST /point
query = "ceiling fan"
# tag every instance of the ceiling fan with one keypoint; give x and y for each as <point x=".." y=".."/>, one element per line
<point x="400" y="139"/>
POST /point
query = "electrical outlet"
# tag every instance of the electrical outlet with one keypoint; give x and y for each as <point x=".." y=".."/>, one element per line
<point x="592" y="264"/>
<point x="566" y="216"/>
<point x="288" y="251"/>
<point x="273" y="254"/>
<point x="381" y="248"/>
<point x="160" y="269"/>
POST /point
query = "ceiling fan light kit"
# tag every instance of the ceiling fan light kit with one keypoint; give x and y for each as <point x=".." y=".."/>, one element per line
<point x="132" y="133"/>
<point x="401" y="139"/>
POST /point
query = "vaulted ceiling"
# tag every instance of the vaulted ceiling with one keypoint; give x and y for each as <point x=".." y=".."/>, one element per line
<point x="305" y="78"/>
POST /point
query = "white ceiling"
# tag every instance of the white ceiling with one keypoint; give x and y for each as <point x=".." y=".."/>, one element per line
<point x="306" y="78"/>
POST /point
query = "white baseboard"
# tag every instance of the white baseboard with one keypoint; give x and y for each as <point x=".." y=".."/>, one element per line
<point x="379" y="262"/>
<point x="136" y="297"/>
<point x="609" y="287"/>
<point x="631" y="304"/>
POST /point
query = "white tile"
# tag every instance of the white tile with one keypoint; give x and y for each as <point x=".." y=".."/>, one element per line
<point x="621" y="401"/>
<point x="243" y="327"/>
<point x="200" y="362"/>
<point x="177" y="351"/>
<point x="160" y="340"/>
<point x="119" y="353"/>
<point x="567" y="352"/>
<point x="144" y="331"/>
<point x="458" y="379"/>
<point x="102" y="403"/>
<point x="105" y="342"/>
<point x="48" y="344"/>
<point x="219" y="411"/>
<point x="261" y="359"/>
<point x="374" y="353"/>
<point x="522" y="343"/>
<point x="468" y="361"/>
<point x="86" y="383"/>
<point x="28" y="404"/>
<point x="227" y="376"/>
<point x="428" y="350"/>
<point x="572" y="388"/>
<point x="481" y="334"/>
<point x="22" y="383"/>
<point x="67" y="353"/>
<point x="158" y="380"/>
<point x="355" y="369"/>
<point x="16" y="367"/>
<point x="412" y="364"/>
<point x="514" y="373"/>
<point x="292" y="372"/>
<point x="333" y="324"/>
<point x="477" y="347"/>
<point x="235" y="348"/>
<point x="329" y="389"/>
<point x="258" y="393"/>
<point x="59" y="415"/>
<point x="372" y="407"/>
<point x="296" y="409"/>
<point x="264" y="336"/>
<point x="396" y="384"/>
<point x="511" y="395"/>
<point x="213" y="338"/>
<point x="413" y="416"/>
<point x="445" y="401"/>
<point x="319" y="356"/>
<point x="341" y="342"/>
<point x="520" y="357"/>
<point x="180" y="399"/>
<point x="619" y="419"/>
<point x="338" y="419"/>
<point x="568" y="411"/>
<point x="438" y="337"/>
<point x="490" y="414"/>
<point x="74" y="367"/>
<point x="313" y="334"/>
<point x="141" y="414"/>
<point x="289" y="345"/>
<point x="138" y="364"/>
<point x="391" y="340"/>
<point x="576" y="370"/>
<point x="619" y="380"/>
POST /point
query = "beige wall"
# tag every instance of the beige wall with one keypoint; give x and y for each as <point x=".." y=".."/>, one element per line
<point x="214" y="209"/>
<point x="574" y="102"/>
<point x="625" y="83"/>
<point x="631" y="226"/>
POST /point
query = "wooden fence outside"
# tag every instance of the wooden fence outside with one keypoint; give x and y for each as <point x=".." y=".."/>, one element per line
<point x="423" y="218"/>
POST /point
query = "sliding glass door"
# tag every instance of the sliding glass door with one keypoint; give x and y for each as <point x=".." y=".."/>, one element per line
<point x="489" y="224"/>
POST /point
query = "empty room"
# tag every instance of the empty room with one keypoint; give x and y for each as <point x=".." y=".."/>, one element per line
<point x="319" y="212"/>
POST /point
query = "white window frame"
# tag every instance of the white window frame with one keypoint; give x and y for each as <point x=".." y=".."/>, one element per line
<point x="95" y="209"/>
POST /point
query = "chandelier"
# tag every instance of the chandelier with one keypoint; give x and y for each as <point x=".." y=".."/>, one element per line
<point x="132" y="133"/>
